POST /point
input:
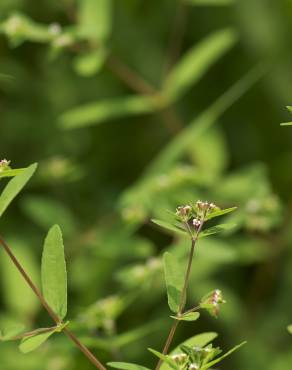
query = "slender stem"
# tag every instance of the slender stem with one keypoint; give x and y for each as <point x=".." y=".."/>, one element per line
<point x="52" y="314"/>
<point x="182" y="303"/>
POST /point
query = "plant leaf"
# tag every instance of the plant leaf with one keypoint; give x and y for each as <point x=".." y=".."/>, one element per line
<point x="183" y="141"/>
<point x="126" y="366"/>
<point x="14" y="187"/>
<point x="11" y="173"/>
<point x="207" y="366"/>
<point x="169" y="226"/>
<point x="54" y="275"/>
<point x="286" y="124"/>
<point x="174" y="278"/>
<point x="211" y="2"/>
<point x="95" y="19"/>
<point x="199" y="340"/>
<point x="216" y="229"/>
<point x="10" y="332"/>
<point x="164" y="358"/>
<point x="197" y="61"/>
<point x="95" y="113"/>
<point x="29" y="344"/>
<point x="289" y="328"/>
<point x="191" y="316"/>
<point x="221" y="212"/>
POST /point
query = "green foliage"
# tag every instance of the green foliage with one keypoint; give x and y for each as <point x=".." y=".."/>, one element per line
<point x="29" y="344"/>
<point x="174" y="279"/>
<point x="54" y="275"/>
<point x="14" y="187"/>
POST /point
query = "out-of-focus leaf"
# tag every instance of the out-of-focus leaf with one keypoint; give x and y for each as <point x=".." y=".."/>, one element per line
<point x="88" y="64"/>
<point x="18" y="297"/>
<point x="126" y="366"/>
<point x="180" y="145"/>
<point x="46" y="211"/>
<point x="174" y="278"/>
<point x="104" y="110"/>
<point x="286" y="124"/>
<point x="191" y="316"/>
<point x="95" y="19"/>
<point x="216" y="229"/>
<point x="14" y="187"/>
<point x="197" y="61"/>
<point x="289" y="328"/>
<point x="54" y="275"/>
<point x="208" y="365"/>
<point x="29" y="344"/>
<point x="211" y="2"/>
<point x="10" y="332"/>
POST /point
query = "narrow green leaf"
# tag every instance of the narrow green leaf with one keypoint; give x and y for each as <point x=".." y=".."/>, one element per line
<point x="11" y="173"/>
<point x="221" y="212"/>
<point x="216" y="229"/>
<point x="174" y="278"/>
<point x="90" y="63"/>
<point x="10" y="332"/>
<point x="54" y="275"/>
<point x="197" y="61"/>
<point x="164" y="358"/>
<point x="286" y="124"/>
<point x="14" y="186"/>
<point x="104" y="110"/>
<point x="191" y="316"/>
<point x="95" y="19"/>
<point x="169" y="226"/>
<point x="210" y="364"/>
<point x="126" y="366"/>
<point x="211" y="2"/>
<point x="180" y="145"/>
<point x="29" y="344"/>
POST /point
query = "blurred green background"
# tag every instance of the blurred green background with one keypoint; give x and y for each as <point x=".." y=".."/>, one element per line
<point x="128" y="117"/>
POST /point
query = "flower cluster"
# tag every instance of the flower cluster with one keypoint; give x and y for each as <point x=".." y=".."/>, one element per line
<point x="212" y="301"/>
<point x="4" y="165"/>
<point x="194" y="358"/>
<point x="195" y="213"/>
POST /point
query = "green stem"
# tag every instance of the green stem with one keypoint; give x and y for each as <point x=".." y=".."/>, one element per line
<point x="182" y="303"/>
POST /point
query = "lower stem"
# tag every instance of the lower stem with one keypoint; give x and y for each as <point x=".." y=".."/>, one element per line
<point x="182" y="297"/>
<point x="52" y="314"/>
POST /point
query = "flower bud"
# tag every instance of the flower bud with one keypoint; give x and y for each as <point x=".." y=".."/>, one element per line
<point x="197" y="223"/>
<point x="4" y="165"/>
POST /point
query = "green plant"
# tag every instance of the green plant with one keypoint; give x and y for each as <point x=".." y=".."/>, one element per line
<point x="189" y="220"/>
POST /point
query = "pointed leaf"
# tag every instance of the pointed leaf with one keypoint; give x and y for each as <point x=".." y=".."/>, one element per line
<point x="14" y="187"/>
<point x="211" y="2"/>
<point x="199" y="340"/>
<point x="169" y="226"/>
<point x="95" y="19"/>
<point x="191" y="316"/>
<point x="221" y="212"/>
<point x="126" y="366"/>
<point x="197" y="61"/>
<point x="207" y="366"/>
<point x="54" y="275"/>
<point x="103" y="110"/>
<point x="164" y="358"/>
<point x="216" y="229"/>
<point x="11" y="173"/>
<point x="29" y="344"/>
<point x="174" y="278"/>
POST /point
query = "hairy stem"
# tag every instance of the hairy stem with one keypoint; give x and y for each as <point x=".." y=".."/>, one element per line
<point x="51" y="313"/>
<point x="182" y="303"/>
